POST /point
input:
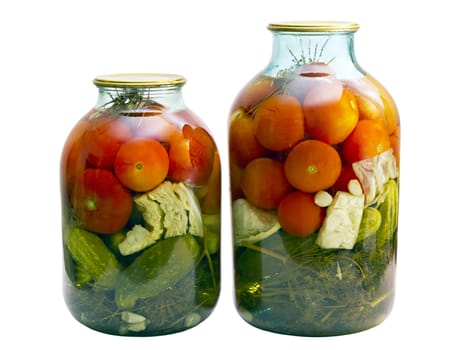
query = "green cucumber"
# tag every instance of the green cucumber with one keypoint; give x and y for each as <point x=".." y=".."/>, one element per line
<point x="371" y="221"/>
<point x="157" y="269"/>
<point x="93" y="257"/>
<point x="389" y="213"/>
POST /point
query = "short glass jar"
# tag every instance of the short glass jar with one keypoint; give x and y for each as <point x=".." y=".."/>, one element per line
<point x="140" y="185"/>
<point x="314" y="174"/>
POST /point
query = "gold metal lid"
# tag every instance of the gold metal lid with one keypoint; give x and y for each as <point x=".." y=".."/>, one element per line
<point x="139" y="80"/>
<point x="314" y="26"/>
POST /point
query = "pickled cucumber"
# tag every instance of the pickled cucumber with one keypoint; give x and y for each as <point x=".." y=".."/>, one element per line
<point x="371" y="221"/>
<point x="157" y="269"/>
<point x="93" y="257"/>
<point x="388" y="210"/>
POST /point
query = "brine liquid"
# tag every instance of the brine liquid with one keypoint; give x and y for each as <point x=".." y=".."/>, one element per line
<point x="111" y="281"/>
<point x="314" y="176"/>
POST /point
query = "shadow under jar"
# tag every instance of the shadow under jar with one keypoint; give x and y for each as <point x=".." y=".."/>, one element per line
<point x="314" y="178"/>
<point x="140" y="186"/>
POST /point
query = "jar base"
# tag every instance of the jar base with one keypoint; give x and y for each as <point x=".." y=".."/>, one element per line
<point x="315" y="329"/>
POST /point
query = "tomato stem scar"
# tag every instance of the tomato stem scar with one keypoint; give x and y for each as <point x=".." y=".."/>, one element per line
<point x="312" y="169"/>
<point x="90" y="204"/>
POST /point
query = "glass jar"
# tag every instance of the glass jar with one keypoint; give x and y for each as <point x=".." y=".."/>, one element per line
<point x="140" y="185"/>
<point x="314" y="172"/>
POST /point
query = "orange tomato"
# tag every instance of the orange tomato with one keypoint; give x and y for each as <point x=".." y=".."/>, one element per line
<point x="299" y="215"/>
<point x="331" y="112"/>
<point x="394" y="139"/>
<point x="103" y="139"/>
<point x="211" y="202"/>
<point x="236" y="175"/>
<point x="391" y="113"/>
<point x="253" y="93"/>
<point x="367" y="140"/>
<point x="312" y="166"/>
<point x="279" y="122"/>
<point x="191" y="156"/>
<point x="243" y="145"/>
<point x="141" y="164"/>
<point x="264" y="183"/>
<point x="100" y="201"/>
<point x="375" y="102"/>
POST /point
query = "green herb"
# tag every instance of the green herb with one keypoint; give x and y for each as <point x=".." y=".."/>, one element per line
<point x="305" y="56"/>
<point x="188" y="301"/>
<point x="291" y="285"/>
<point x="128" y="99"/>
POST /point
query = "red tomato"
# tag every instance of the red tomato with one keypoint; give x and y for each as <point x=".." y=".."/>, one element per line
<point x="345" y="176"/>
<point x="141" y="164"/>
<point x="192" y="156"/>
<point x="72" y="160"/>
<point x="299" y="215"/>
<point x="100" y="201"/>
<point x="103" y="139"/>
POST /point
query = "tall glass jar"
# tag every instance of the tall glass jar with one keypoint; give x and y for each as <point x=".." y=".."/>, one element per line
<point x="140" y="185"/>
<point x="314" y="170"/>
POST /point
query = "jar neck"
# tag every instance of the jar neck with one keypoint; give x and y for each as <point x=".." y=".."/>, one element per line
<point x="133" y="98"/>
<point x="294" y="49"/>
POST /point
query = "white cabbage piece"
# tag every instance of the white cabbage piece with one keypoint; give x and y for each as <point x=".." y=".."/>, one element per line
<point x="169" y="210"/>
<point x="252" y="224"/>
<point x="374" y="172"/>
<point x="137" y="239"/>
<point x="192" y="207"/>
<point x="342" y="221"/>
<point x="175" y="219"/>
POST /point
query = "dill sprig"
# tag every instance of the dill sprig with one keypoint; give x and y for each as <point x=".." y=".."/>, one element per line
<point x="305" y="56"/>
<point x="164" y="313"/>
<point x="127" y="99"/>
<point x="292" y="285"/>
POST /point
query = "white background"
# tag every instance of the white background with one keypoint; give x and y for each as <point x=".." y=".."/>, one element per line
<point x="51" y="50"/>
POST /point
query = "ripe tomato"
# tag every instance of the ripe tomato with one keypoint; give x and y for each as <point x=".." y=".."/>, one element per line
<point x="72" y="160"/>
<point x="391" y="113"/>
<point x="299" y="215"/>
<point x="103" y="139"/>
<point x="141" y="164"/>
<point x="331" y="112"/>
<point x="191" y="156"/>
<point x="312" y="166"/>
<point x="100" y="201"/>
<point x="345" y="176"/>
<point x="243" y="145"/>
<point x="367" y="140"/>
<point x="264" y="183"/>
<point x="236" y="176"/>
<point x="253" y="93"/>
<point x="211" y="201"/>
<point x="279" y="122"/>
